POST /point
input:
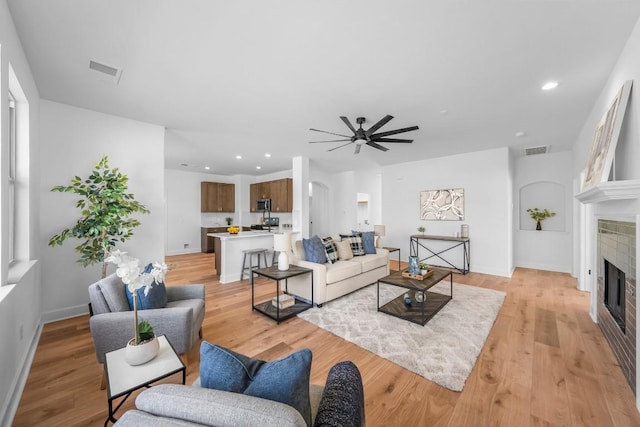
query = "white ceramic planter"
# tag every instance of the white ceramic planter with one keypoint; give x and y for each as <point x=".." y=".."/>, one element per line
<point x="141" y="353"/>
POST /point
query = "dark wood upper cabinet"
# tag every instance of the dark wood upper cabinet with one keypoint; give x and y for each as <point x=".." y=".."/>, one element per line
<point x="279" y="191"/>
<point x="217" y="197"/>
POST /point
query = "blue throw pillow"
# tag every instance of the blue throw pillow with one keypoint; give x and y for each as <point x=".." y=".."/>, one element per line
<point x="368" y="241"/>
<point x="285" y="380"/>
<point x="314" y="250"/>
<point x="156" y="298"/>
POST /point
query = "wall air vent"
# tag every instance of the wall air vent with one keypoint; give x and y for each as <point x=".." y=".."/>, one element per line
<point x="105" y="73"/>
<point x="543" y="149"/>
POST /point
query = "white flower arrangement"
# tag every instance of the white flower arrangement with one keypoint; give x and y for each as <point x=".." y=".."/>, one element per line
<point x="135" y="277"/>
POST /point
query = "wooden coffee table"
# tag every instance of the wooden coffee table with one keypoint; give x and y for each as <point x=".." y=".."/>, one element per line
<point x="417" y="312"/>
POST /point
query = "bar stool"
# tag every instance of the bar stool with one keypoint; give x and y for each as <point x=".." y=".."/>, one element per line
<point x="251" y="266"/>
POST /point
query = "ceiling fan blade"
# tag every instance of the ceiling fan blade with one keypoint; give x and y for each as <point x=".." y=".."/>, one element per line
<point x="393" y="132"/>
<point x="378" y="146"/>
<point x="378" y="125"/>
<point x="357" y="149"/>
<point x="330" y="133"/>
<point x="343" y="145"/>
<point x="333" y="140"/>
<point x="348" y="123"/>
<point x="392" y="140"/>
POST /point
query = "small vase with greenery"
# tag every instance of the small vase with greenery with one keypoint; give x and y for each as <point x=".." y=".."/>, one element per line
<point x="421" y="229"/>
<point x="229" y="220"/>
<point x="424" y="268"/>
<point x="539" y="216"/>
<point x="106" y="208"/>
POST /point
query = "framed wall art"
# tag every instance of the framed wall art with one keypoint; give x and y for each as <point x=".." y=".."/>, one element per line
<point x="442" y="205"/>
<point x="605" y="140"/>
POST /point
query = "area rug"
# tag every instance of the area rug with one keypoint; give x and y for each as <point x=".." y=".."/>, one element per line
<point x="443" y="351"/>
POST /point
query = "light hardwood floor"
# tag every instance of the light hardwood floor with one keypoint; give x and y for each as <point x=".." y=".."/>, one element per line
<point x="545" y="363"/>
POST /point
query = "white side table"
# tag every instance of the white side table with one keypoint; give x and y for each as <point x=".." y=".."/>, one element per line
<point x="123" y="379"/>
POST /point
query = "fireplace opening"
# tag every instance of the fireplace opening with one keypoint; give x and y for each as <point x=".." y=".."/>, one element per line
<point x="614" y="293"/>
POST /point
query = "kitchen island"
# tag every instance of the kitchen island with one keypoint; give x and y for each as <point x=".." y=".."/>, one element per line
<point x="229" y="247"/>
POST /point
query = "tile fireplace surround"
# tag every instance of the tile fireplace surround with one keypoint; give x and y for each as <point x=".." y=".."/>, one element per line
<point x="617" y="244"/>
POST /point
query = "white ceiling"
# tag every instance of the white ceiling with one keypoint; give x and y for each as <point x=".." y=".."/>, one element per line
<point x="250" y="77"/>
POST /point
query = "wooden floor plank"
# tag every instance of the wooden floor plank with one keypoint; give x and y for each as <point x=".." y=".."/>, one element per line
<point x="545" y="363"/>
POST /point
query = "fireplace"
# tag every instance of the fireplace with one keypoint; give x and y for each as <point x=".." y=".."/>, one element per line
<point x="614" y="293"/>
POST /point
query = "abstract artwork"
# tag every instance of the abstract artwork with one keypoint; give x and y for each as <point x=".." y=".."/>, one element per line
<point x="605" y="140"/>
<point x="442" y="205"/>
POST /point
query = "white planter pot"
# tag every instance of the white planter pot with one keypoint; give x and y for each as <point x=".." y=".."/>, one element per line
<point x="141" y="353"/>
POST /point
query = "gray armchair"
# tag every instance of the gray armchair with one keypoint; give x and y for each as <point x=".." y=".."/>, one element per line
<point x="112" y="320"/>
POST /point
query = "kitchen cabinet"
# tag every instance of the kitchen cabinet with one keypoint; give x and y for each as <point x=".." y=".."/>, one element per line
<point x="207" y="243"/>
<point x="279" y="191"/>
<point x="217" y="197"/>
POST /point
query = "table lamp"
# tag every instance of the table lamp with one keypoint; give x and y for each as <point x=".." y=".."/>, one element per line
<point x="379" y="231"/>
<point x="282" y="244"/>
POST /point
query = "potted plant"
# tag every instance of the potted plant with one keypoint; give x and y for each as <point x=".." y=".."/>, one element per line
<point x="229" y="220"/>
<point x="106" y="210"/>
<point x="539" y="216"/>
<point x="421" y="229"/>
<point x="424" y="268"/>
<point x="144" y="346"/>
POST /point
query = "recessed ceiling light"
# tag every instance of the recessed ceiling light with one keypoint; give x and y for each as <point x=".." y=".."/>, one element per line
<point x="207" y="168"/>
<point x="258" y="167"/>
<point x="549" y="85"/>
<point x="267" y="155"/>
<point x="520" y="134"/>
<point x="238" y="157"/>
<point x="444" y="112"/>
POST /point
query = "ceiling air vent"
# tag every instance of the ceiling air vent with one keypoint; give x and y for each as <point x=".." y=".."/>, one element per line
<point x="105" y="72"/>
<point x="543" y="149"/>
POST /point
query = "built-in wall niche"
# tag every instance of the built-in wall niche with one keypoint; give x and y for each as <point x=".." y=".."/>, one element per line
<point x="362" y="201"/>
<point x="543" y="195"/>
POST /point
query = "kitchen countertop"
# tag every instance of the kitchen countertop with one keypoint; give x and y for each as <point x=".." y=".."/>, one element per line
<point x="241" y="235"/>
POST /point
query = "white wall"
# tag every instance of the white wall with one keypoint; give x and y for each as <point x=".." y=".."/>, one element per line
<point x="20" y="301"/>
<point x="487" y="185"/>
<point x="73" y="140"/>
<point x="549" y="249"/>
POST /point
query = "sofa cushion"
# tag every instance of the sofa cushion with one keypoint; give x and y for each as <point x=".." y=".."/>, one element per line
<point x="314" y="250"/>
<point x="344" y="250"/>
<point x="369" y="262"/>
<point x="330" y="250"/>
<point x="356" y="244"/>
<point x="368" y="240"/>
<point x="298" y="250"/>
<point x="114" y="293"/>
<point x="155" y="298"/>
<point x="285" y="380"/>
<point x="342" y="270"/>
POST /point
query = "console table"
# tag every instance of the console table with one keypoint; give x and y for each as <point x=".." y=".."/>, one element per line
<point x="418" y="241"/>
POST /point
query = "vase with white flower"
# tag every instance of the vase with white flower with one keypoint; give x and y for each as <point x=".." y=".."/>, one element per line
<point x="144" y="346"/>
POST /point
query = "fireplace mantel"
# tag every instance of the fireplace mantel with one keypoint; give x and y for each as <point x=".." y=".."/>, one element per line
<point x="611" y="190"/>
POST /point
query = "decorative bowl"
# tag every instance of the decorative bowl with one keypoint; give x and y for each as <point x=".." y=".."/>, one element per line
<point x="233" y="230"/>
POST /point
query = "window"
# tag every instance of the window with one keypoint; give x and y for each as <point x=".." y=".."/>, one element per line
<point x="12" y="177"/>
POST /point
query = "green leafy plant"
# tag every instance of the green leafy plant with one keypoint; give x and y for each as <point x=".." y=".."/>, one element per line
<point x="145" y="332"/>
<point x="540" y="215"/>
<point x="421" y="229"/>
<point x="229" y="220"/>
<point x="106" y="213"/>
<point x="423" y="266"/>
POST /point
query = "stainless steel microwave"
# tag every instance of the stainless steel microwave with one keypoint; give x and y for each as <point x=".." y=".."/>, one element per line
<point x="264" y="205"/>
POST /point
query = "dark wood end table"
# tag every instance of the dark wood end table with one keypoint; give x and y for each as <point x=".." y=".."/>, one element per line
<point x="267" y="308"/>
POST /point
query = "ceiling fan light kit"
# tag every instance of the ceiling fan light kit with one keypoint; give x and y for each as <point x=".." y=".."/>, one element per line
<point x="367" y="137"/>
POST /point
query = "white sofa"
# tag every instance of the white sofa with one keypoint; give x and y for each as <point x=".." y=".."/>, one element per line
<point x="331" y="281"/>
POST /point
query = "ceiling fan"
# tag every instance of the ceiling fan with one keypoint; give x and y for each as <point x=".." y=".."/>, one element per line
<point x="368" y="137"/>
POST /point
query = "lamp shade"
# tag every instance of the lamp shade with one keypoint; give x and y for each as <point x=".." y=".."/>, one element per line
<point x="379" y="230"/>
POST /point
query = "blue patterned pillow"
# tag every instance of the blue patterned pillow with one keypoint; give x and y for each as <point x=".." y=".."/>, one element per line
<point x="356" y="244"/>
<point x="314" y="250"/>
<point x="330" y="250"/>
<point x="155" y="298"/>
<point x="368" y="241"/>
<point x="285" y="380"/>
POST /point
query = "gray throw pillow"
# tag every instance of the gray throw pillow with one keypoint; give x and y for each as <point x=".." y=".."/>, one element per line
<point x="314" y="250"/>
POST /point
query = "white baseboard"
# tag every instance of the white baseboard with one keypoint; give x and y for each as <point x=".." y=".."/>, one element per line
<point x="65" y="313"/>
<point x="16" y="389"/>
<point x="184" y="252"/>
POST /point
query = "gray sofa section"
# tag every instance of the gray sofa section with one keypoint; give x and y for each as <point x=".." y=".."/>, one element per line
<point x="112" y="320"/>
<point x="339" y="403"/>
